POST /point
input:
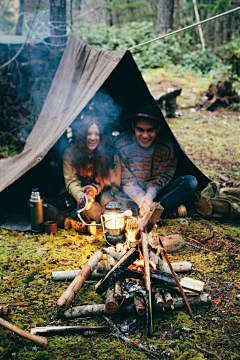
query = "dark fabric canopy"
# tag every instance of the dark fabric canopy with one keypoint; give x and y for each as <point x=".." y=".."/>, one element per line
<point x="82" y="72"/>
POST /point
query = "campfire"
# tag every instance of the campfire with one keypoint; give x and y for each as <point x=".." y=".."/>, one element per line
<point x="136" y="276"/>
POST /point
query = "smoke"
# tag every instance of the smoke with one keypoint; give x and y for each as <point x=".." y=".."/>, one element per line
<point x="104" y="107"/>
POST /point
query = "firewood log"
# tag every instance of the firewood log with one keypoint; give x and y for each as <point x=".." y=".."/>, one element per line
<point x="64" y="301"/>
<point x="37" y="339"/>
<point x="111" y="261"/>
<point x="172" y="242"/>
<point x="162" y="266"/>
<point x="111" y="251"/>
<point x="118" y="291"/>
<point x="168" y="299"/>
<point x="140" y="305"/>
<point x="99" y="309"/>
<point x="159" y="299"/>
<point x="111" y="303"/>
<point x="59" y="330"/>
<point x="99" y="272"/>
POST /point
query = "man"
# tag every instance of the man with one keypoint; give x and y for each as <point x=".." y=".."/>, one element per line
<point x="149" y="160"/>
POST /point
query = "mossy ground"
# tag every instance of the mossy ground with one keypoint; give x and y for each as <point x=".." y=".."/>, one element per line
<point x="27" y="261"/>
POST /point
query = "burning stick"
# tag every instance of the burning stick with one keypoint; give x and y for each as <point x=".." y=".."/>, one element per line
<point x="64" y="301"/>
<point x="37" y="339"/>
<point x="177" y="281"/>
<point x="147" y="283"/>
<point x="115" y="273"/>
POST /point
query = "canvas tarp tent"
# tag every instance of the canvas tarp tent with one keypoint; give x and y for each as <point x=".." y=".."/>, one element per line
<point x="82" y="71"/>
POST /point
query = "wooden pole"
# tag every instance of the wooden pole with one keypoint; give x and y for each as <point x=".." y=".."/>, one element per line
<point x="37" y="339"/>
<point x="176" y="279"/>
<point x="147" y="283"/>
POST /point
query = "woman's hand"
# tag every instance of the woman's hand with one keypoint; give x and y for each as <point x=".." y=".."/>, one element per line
<point x="145" y="204"/>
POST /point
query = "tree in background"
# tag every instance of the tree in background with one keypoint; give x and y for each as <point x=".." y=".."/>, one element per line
<point x="58" y="11"/>
<point x="165" y="16"/>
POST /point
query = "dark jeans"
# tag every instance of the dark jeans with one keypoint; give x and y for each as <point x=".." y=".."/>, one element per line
<point x="177" y="192"/>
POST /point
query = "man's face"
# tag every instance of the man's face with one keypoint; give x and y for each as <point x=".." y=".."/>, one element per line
<point x="146" y="131"/>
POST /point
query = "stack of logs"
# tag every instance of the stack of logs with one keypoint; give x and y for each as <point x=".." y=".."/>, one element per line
<point x="136" y="274"/>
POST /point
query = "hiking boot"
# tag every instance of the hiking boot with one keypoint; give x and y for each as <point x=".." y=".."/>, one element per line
<point x="80" y="227"/>
<point x="77" y="225"/>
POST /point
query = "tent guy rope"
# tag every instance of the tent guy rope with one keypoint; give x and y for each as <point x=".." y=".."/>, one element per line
<point x="185" y="28"/>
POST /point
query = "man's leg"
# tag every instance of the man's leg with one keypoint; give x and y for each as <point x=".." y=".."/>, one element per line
<point x="177" y="192"/>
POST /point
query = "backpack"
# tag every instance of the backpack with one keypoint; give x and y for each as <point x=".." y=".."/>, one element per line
<point x="219" y="201"/>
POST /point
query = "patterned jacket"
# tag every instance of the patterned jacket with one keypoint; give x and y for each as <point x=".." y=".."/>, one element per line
<point x="145" y="169"/>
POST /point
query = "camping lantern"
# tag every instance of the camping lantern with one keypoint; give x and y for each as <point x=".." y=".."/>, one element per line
<point x="113" y="223"/>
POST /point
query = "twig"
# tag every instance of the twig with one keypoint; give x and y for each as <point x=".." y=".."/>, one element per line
<point x="135" y="343"/>
<point x="208" y="352"/>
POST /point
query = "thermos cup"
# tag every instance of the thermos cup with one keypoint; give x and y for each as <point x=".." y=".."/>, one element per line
<point x="36" y="210"/>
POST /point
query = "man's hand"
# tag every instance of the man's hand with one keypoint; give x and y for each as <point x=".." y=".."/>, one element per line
<point x="145" y="204"/>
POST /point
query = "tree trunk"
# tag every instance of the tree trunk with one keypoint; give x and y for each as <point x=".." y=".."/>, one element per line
<point x="58" y="21"/>
<point x="227" y="20"/>
<point x="165" y="15"/>
<point x="20" y="18"/>
<point x="218" y="33"/>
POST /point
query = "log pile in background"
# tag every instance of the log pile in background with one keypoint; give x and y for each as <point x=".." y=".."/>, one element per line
<point x="220" y="94"/>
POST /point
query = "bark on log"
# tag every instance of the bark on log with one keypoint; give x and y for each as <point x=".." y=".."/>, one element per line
<point x="172" y="242"/>
<point x="99" y="309"/>
<point x="159" y="299"/>
<point x="111" y="303"/>
<point x="59" y="330"/>
<point x="110" y="259"/>
<point x="64" y="301"/>
<point x="116" y="272"/>
<point x="159" y="278"/>
<point x="148" y="221"/>
<point x="118" y="291"/>
<point x="99" y="272"/>
<point x="111" y="251"/>
<point x="140" y="305"/>
<point x="37" y="339"/>
<point x="162" y="266"/>
<point x="147" y="283"/>
<point x="168" y="299"/>
<point x="119" y="248"/>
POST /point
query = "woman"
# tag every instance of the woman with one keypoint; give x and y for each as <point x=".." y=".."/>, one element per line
<point x="89" y="168"/>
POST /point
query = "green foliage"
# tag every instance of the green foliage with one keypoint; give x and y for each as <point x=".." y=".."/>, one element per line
<point x="200" y="60"/>
<point x="175" y="50"/>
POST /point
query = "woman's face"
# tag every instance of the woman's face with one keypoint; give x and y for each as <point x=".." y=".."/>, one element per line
<point x="93" y="137"/>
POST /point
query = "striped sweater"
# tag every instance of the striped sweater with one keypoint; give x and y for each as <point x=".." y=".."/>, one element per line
<point x="145" y="169"/>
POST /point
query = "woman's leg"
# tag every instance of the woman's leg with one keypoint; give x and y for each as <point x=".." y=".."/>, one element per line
<point x="54" y="214"/>
<point x="177" y="192"/>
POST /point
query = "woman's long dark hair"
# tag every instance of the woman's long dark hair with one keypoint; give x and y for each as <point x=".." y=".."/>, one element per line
<point x="100" y="156"/>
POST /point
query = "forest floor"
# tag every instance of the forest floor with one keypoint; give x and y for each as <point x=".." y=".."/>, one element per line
<point x="211" y="139"/>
